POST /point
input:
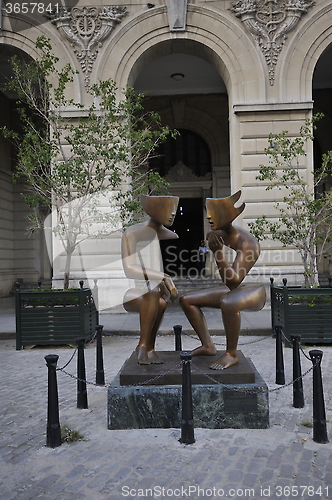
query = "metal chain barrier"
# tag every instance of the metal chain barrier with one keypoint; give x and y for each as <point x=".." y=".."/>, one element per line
<point x="223" y="344"/>
<point x="301" y="349"/>
<point x="146" y="382"/>
<point x="53" y="431"/>
<point x="72" y="357"/>
<point x="251" y="391"/>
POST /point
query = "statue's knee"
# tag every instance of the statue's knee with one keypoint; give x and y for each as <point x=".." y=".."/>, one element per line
<point x="183" y="300"/>
<point x="153" y="294"/>
<point x="227" y="305"/>
<point x="163" y="304"/>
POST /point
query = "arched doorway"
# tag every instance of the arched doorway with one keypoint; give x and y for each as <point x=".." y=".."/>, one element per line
<point x="322" y="97"/>
<point x="190" y="95"/>
<point x="24" y="254"/>
<point x="186" y="157"/>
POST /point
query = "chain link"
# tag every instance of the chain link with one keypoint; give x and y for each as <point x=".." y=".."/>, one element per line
<point x="304" y="354"/>
<point x="69" y="360"/>
<point x="146" y="382"/>
<point x="157" y="377"/>
<point x="252" y="391"/>
<point x="223" y="344"/>
<point x="80" y="379"/>
<point x="285" y="338"/>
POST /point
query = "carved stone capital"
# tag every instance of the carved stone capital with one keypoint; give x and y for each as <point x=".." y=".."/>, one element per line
<point x="86" y="28"/>
<point x="269" y="21"/>
<point x="181" y="173"/>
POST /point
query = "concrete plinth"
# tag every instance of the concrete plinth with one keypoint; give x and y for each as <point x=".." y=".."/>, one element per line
<point x="220" y="405"/>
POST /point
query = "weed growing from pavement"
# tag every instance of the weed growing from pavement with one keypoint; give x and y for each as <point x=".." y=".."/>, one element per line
<point x="69" y="435"/>
<point x="307" y="424"/>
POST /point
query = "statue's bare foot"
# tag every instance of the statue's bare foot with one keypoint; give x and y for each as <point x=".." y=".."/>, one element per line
<point x="205" y="351"/>
<point x="154" y="358"/>
<point x="225" y="361"/>
<point x="142" y="355"/>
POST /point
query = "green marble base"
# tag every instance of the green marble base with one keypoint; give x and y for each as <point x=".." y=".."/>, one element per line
<point x="216" y="405"/>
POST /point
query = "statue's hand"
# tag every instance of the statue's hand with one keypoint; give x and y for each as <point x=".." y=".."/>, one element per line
<point x="215" y="243"/>
<point x="171" y="287"/>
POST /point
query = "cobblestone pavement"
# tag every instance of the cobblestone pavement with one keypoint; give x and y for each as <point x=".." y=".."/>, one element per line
<point x="280" y="462"/>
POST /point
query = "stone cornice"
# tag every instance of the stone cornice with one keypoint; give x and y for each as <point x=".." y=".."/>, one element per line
<point x="272" y="107"/>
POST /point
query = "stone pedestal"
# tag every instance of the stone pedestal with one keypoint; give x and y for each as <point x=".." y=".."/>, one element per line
<point x="236" y="398"/>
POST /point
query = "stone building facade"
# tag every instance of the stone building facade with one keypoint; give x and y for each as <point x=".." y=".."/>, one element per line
<point x="224" y="73"/>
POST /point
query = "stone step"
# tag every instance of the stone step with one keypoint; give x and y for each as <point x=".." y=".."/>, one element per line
<point x="187" y="284"/>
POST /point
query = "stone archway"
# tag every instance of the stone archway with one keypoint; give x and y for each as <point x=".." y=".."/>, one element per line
<point x="190" y="95"/>
<point x="322" y="97"/>
<point x="24" y="255"/>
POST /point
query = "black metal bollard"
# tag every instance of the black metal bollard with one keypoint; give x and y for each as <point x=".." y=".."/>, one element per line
<point x="298" y="397"/>
<point x="280" y="371"/>
<point x="319" y="418"/>
<point x="82" y="395"/>
<point x="53" y="431"/>
<point x="187" y="423"/>
<point x="100" y="375"/>
<point x="177" y="332"/>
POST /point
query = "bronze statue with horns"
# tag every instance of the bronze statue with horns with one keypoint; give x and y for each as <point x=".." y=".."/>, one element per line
<point x="141" y="259"/>
<point x="232" y="296"/>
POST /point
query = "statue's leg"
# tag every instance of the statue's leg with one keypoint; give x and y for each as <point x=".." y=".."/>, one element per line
<point x="148" y="307"/>
<point x="148" y="314"/>
<point x="191" y="304"/>
<point x="243" y="298"/>
<point x="152" y="355"/>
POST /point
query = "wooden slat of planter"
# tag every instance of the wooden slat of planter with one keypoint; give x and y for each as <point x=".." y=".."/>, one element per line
<point x="55" y="325"/>
<point x="313" y="323"/>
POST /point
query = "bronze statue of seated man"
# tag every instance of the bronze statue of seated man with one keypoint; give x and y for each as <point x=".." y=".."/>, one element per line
<point x="142" y="261"/>
<point x="232" y="296"/>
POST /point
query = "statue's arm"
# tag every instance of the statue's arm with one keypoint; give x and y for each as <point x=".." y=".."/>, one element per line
<point x="247" y="252"/>
<point x="133" y="266"/>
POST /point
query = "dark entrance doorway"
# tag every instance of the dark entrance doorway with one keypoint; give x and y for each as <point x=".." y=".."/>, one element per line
<point x="180" y="257"/>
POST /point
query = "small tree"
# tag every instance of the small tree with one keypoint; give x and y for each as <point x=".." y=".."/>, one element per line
<point x="70" y="163"/>
<point x="304" y="215"/>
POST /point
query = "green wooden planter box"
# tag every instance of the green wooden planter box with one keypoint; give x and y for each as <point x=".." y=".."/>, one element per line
<point x="303" y="311"/>
<point x="54" y="317"/>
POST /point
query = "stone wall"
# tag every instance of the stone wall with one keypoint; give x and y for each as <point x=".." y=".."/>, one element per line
<point x="262" y="97"/>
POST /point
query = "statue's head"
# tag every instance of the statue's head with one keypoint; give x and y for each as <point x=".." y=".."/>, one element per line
<point x="161" y="209"/>
<point x="221" y="211"/>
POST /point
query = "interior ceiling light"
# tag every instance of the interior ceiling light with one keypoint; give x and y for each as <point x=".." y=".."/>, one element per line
<point x="177" y="76"/>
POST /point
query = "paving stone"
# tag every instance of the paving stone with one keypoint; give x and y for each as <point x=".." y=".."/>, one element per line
<point x="249" y="480"/>
<point x="98" y="468"/>
<point x="48" y="480"/>
<point x="267" y="476"/>
<point x="255" y="466"/>
<point x="286" y="471"/>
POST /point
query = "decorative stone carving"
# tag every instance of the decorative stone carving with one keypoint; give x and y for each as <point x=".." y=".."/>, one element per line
<point x="269" y="21"/>
<point x="180" y="172"/>
<point x="86" y="28"/>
